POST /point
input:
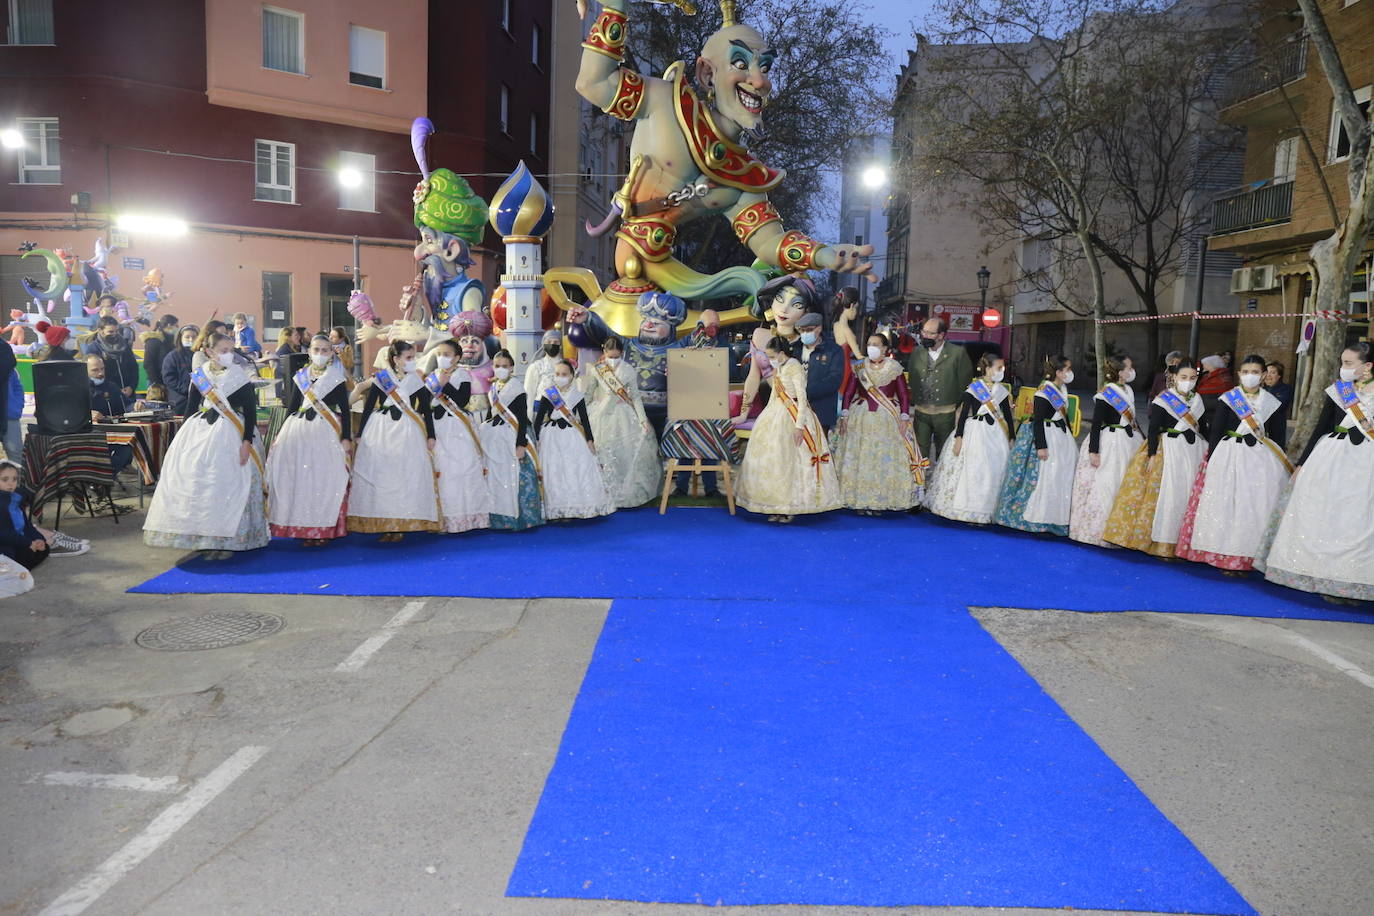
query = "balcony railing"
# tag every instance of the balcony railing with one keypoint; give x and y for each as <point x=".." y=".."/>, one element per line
<point x="1268" y="205"/>
<point x="1282" y="66"/>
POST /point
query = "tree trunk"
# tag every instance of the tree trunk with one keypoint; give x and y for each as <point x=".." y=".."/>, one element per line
<point x="1099" y="310"/>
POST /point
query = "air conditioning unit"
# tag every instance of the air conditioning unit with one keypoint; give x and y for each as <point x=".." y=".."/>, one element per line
<point x="1240" y="280"/>
<point x="1266" y="276"/>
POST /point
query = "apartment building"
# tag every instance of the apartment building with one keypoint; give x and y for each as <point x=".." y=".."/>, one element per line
<point x="274" y="133"/>
<point x="1294" y="180"/>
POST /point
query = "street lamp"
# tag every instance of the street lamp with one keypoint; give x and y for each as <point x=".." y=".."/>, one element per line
<point x="11" y="138"/>
<point x="350" y="177"/>
<point x="874" y="177"/>
<point x="152" y="225"/>
<point x="984" y="275"/>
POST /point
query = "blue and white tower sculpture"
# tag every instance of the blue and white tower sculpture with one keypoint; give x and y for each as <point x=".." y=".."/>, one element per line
<point x="521" y="212"/>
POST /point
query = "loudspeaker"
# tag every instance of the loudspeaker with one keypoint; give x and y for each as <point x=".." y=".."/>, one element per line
<point x="61" y="397"/>
<point x="293" y="363"/>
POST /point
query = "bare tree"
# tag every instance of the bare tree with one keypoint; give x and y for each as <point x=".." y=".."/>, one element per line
<point x="1335" y="258"/>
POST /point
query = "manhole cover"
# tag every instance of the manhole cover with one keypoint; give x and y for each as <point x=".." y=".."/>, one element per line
<point x="209" y="631"/>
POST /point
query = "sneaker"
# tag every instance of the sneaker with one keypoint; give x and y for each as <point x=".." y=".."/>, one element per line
<point x="66" y="540"/>
<point x="58" y="549"/>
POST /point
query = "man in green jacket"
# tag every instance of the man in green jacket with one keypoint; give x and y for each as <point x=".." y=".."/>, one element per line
<point x="938" y="372"/>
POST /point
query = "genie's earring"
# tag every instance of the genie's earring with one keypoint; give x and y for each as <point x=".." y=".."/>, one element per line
<point x="711" y="94"/>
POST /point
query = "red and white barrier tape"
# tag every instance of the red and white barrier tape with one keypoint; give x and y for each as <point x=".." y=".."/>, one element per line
<point x="1323" y="315"/>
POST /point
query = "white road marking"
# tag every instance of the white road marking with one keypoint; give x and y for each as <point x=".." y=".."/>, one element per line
<point x="111" y="781"/>
<point x="374" y="642"/>
<point x="172" y="819"/>
<point x="1339" y="662"/>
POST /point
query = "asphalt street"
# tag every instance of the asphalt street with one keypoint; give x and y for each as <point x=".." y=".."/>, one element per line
<point x="386" y="755"/>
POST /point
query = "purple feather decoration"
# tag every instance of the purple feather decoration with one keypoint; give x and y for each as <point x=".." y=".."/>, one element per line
<point x="420" y="129"/>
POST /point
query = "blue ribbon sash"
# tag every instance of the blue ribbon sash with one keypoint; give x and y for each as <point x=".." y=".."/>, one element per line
<point x="1052" y="395"/>
<point x="1236" y="400"/>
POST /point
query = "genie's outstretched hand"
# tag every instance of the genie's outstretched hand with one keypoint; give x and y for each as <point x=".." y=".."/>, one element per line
<point x="848" y="259"/>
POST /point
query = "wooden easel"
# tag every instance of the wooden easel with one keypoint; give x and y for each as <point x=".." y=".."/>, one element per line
<point x="696" y="468"/>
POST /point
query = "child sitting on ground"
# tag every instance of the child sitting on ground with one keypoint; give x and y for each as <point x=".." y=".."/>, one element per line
<point x="20" y="539"/>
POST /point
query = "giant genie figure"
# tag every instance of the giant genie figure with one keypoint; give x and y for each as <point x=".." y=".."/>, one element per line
<point x="686" y="162"/>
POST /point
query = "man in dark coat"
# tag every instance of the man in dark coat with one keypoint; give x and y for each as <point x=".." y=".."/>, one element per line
<point x="823" y="360"/>
<point x="121" y="366"/>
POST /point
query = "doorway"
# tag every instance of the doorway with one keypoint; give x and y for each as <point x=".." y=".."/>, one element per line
<point x="334" y="292"/>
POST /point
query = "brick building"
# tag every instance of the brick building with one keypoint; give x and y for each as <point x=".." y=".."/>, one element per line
<point x="1295" y="171"/>
<point x="239" y="118"/>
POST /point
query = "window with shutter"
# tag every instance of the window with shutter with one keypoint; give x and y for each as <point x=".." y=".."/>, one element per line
<point x="366" y="57"/>
<point x="40" y="158"/>
<point x="275" y="172"/>
<point x="30" y="22"/>
<point x="363" y="195"/>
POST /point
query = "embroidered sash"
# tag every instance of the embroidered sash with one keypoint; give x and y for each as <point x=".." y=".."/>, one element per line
<point x="556" y="401"/>
<point x="980" y="390"/>
<point x="1238" y="402"/>
<point x="508" y="417"/>
<point x="210" y="394"/>
<point x="307" y="388"/>
<point x="1349" y="398"/>
<point x="1117" y="401"/>
<point x="436" y="389"/>
<point x="916" y="462"/>
<point x="818" y="457"/>
<point x="612" y="381"/>
<point x="1180" y="408"/>
<point x="1051" y="394"/>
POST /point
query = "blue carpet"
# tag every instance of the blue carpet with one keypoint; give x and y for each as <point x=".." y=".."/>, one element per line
<point x="884" y="753"/>
<point x="703" y="553"/>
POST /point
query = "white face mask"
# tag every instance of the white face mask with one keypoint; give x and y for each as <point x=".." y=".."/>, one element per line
<point x="1348" y="374"/>
<point x="1068" y="377"/>
<point x="446" y="362"/>
<point x="502" y="372"/>
<point x="613" y="361"/>
<point x="408" y="365"/>
<point x="562" y="381"/>
<point x="225" y="359"/>
<point x="1127" y="376"/>
<point x="321" y="359"/>
<point x="997" y="374"/>
<point x="775" y="363"/>
<point x="1250" y="379"/>
<point x="875" y="353"/>
<point x="1185" y="385"/>
<point x="188" y="342"/>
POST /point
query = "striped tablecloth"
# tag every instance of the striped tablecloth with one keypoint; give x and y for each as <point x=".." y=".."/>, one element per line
<point x="701" y="440"/>
<point x="54" y="465"/>
<point x="149" y="442"/>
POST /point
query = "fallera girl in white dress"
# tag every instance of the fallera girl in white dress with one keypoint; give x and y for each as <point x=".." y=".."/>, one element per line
<point x="968" y="477"/>
<point x="210" y="496"/>
<point x="512" y="461"/>
<point x="1153" y="496"/>
<point x="395" y="489"/>
<point x="1038" y="488"/>
<point x="308" y="467"/>
<point x="787" y="467"/>
<point x="1239" y="485"/>
<point x="464" y="498"/>
<point x="574" y="485"/>
<point x="625" y="440"/>
<point x="1324" y="541"/>
<point x="876" y="456"/>
<point x="1112" y="442"/>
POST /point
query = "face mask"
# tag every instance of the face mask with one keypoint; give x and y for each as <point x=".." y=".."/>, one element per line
<point x="552" y="349"/>
<point x="775" y="363"/>
<point x="928" y="343"/>
<point x="408" y="365"/>
<point x="1068" y="377"/>
<point x="875" y="353"/>
<point x="563" y="381"/>
<point x="1127" y="376"/>
<point x="225" y="359"/>
<point x="1348" y="374"/>
<point x="1185" y="385"/>
<point x="613" y="361"/>
<point x="996" y="374"/>
<point x="501" y="372"/>
<point x="188" y="342"/>
<point x="1250" y="379"/>
<point x="321" y="359"/>
<point x="809" y="338"/>
<point x="446" y="362"/>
